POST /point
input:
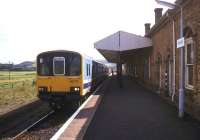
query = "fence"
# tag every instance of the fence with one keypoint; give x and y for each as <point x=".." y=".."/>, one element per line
<point x="17" y="84"/>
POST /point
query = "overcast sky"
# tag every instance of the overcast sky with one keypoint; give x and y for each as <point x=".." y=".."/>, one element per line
<point x="28" y="27"/>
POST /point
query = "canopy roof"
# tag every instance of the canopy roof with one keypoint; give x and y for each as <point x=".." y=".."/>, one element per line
<point x="113" y="46"/>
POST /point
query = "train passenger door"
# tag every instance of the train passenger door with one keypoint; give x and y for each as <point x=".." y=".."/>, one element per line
<point x="57" y="83"/>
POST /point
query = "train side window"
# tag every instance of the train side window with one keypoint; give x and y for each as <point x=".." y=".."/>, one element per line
<point x="93" y="68"/>
<point x="96" y="69"/>
<point x="86" y="70"/>
<point x="89" y="69"/>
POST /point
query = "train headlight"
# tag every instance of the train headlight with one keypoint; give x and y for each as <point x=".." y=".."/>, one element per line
<point x="75" y="89"/>
<point x="42" y="89"/>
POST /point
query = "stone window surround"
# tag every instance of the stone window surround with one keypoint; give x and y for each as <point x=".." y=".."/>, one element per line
<point x="189" y="41"/>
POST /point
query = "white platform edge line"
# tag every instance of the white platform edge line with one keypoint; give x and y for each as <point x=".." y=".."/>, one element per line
<point x="67" y="123"/>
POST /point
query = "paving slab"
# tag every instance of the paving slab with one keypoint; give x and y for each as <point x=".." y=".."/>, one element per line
<point x="75" y="127"/>
<point x="78" y="127"/>
<point x="133" y="113"/>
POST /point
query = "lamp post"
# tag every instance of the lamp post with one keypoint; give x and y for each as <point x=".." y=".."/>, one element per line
<point x="182" y="76"/>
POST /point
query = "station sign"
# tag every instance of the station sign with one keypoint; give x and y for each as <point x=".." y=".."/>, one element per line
<point x="180" y="42"/>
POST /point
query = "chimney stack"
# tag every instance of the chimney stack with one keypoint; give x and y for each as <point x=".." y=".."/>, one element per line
<point x="147" y="28"/>
<point x="158" y="14"/>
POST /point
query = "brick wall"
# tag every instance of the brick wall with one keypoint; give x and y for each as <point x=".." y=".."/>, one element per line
<point x="163" y="47"/>
<point x="162" y="54"/>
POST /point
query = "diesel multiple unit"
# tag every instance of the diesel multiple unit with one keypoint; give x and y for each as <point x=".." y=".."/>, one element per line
<point x="65" y="76"/>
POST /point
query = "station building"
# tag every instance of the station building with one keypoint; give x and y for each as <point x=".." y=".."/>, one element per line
<point x="162" y="65"/>
<point x="153" y="60"/>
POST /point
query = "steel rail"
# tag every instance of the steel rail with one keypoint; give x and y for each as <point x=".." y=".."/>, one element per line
<point x="33" y="125"/>
<point x="68" y="122"/>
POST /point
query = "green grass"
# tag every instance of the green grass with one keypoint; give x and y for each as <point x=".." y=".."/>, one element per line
<point x="16" y="75"/>
<point x="17" y="89"/>
<point x="17" y="95"/>
<point x="15" y="78"/>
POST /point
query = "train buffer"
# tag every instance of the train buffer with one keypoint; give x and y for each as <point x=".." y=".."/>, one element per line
<point x="128" y="113"/>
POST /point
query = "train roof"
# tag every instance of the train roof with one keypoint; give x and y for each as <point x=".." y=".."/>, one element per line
<point x="82" y="54"/>
<point x="88" y="57"/>
<point x="52" y="51"/>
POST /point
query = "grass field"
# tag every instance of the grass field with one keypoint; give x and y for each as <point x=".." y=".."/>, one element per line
<point x="16" y="88"/>
<point x="11" y="78"/>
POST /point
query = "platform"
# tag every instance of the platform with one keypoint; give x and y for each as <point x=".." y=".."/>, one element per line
<point x="134" y="113"/>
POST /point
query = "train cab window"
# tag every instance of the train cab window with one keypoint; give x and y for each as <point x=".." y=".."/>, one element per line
<point x="43" y="66"/>
<point x="59" y="63"/>
<point x="59" y="66"/>
<point x="75" y="66"/>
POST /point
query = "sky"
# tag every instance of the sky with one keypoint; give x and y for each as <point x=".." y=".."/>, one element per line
<point x="29" y="27"/>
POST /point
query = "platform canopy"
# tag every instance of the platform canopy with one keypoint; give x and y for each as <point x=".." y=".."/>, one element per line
<point x="114" y="46"/>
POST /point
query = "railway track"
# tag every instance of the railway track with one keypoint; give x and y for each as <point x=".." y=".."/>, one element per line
<point x="18" y="136"/>
<point x="13" y="122"/>
<point x="34" y="122"/>
<point x="44" y="126"/>
<point x="47" y="125"/>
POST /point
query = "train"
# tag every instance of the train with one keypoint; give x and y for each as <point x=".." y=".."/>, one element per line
<point x="66" y="76"/>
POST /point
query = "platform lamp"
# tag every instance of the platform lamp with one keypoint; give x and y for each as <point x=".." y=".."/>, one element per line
<point x="182" y="76"/>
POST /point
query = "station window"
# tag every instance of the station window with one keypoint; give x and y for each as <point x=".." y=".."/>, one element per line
<point x="149" y="67"/>
<point x="146" y="69"/>
<point x="135" y="71"/>
<point x="189" y="62"/>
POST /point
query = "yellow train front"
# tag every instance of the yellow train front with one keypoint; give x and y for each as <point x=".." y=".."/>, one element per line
<point x="65" y="76"/>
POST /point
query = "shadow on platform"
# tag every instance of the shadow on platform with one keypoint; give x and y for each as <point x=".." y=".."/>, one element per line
<point x="132" y="112"/>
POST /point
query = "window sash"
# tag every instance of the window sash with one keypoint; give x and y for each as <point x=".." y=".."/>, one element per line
<point x="189" y="63"/>
<point x="189" y="59"/>
<point x="189" y="83"/>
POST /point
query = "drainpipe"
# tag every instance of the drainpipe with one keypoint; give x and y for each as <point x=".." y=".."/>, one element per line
<point x="174" y="62"/>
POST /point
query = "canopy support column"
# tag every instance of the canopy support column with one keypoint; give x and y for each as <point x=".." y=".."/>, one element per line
<point x="119" y="74"/>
